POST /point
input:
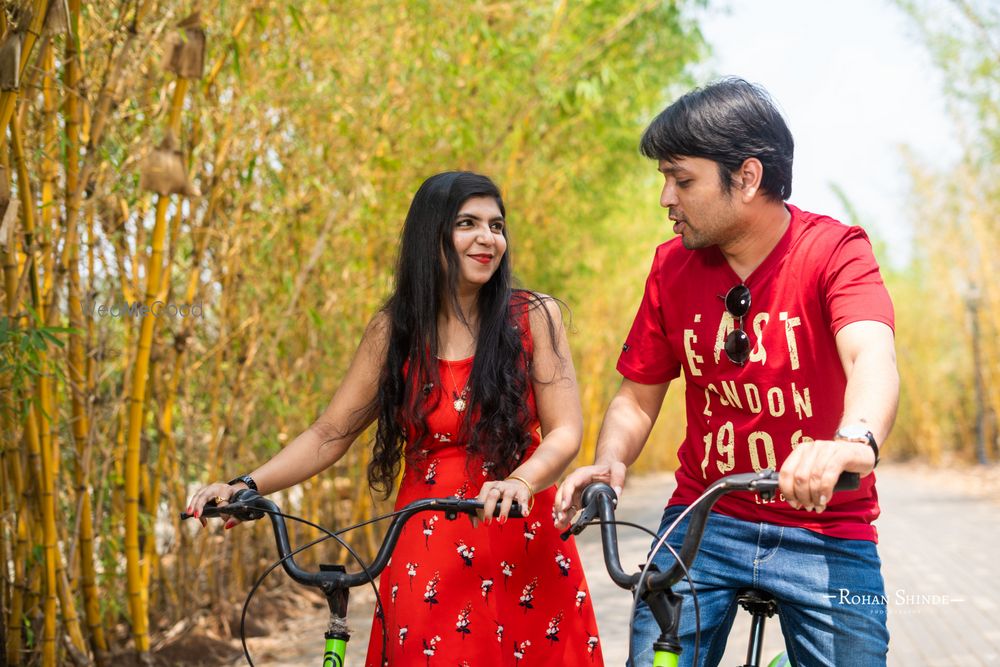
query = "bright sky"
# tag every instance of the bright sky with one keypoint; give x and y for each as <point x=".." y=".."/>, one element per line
<point x="855" y="83"/>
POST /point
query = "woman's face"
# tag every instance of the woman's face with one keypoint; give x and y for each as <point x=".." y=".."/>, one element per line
<point x="479" y="241"/>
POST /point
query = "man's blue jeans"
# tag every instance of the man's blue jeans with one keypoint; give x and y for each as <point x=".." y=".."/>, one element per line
<point x="830" y="593"/>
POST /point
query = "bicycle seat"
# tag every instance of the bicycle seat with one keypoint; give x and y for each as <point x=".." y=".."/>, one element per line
<point x="757" y="601"/>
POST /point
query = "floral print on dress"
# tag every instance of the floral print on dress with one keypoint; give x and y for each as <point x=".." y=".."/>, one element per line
<point x="552" y="632"/>
<point x="529" y="533"/>
<point x="462" y="624"/>
<point x="507" y="570"/>
<point x="528" y="595"/>
<point x="466" y="552"/>
<point x="581" y="597"/>
<point x="430" y="477"/>
<point x="563" y="562"/>
<point x="430" y="593"/>
<point x="430" y="647"/>
<point x="592" y="642"/>
<point x="411" y="572"/>
<point x="485" y="587"/>
<point x="520" y="648"/>
<point x="429" y="530"/>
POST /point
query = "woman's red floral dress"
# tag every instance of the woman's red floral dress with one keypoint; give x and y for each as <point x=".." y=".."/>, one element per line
<point x="496" y="595"/>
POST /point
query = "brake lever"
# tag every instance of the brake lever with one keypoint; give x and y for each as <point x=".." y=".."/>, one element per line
<point x="587" y="514"/>
<point x="590" y="509"/>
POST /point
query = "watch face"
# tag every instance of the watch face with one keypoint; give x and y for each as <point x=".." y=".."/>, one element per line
<point x="859" y="433"/>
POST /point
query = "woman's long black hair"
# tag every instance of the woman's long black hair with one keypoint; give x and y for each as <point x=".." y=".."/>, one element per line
<point x="498" y="386"/>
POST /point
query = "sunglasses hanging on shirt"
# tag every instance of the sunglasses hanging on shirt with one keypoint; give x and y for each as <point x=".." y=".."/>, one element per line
<point x="738" y="342"/>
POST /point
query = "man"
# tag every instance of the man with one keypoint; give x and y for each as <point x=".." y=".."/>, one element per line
<point x="783" y="328"/>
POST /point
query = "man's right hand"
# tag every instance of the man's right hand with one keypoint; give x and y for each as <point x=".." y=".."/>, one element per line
<point x="567" y="500"/>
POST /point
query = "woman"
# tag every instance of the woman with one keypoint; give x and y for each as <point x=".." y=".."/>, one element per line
<point x="462" y="372"/>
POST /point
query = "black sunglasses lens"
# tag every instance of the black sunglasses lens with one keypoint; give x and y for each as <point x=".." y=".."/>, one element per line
<point x="738" y="301"/>
<point x="738" y="346"/>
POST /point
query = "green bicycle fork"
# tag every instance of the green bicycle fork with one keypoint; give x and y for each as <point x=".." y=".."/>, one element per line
<point x="665" y="659"/>
<point x="336" y="650"/>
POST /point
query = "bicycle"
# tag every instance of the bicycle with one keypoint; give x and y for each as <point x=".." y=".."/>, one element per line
<point x="655" y="588"/>
<point x="333" y="580"/>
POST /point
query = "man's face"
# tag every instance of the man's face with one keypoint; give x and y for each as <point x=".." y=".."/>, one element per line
<point x="702" y="213"/>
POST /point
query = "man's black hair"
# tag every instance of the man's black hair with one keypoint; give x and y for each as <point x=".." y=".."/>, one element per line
<point x="727" y="121"/>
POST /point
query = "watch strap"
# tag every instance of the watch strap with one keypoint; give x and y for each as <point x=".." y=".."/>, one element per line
<point x="246" y="479"/>
<point x="867" y="438"/>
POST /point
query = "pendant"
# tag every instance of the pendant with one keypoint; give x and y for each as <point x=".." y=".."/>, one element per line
<point x="459" y="404"/>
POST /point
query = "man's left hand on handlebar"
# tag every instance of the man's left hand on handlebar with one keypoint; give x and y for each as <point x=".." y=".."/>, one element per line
<point x="567" y="500"/>
<point x="808" y="475"/>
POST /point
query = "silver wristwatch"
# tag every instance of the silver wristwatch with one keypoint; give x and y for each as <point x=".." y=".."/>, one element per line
<point x="858" y="433"/>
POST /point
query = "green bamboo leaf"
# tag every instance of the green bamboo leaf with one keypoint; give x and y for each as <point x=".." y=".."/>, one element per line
<point x="297" y="18"/>
<point x="234" y="49"/>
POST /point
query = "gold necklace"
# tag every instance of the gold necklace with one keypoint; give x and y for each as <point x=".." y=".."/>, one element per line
<point x="460" y="399"/>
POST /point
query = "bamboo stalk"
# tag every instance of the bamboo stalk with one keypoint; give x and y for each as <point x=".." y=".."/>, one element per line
<point x="77" y="372"/>
<point x="15" y="482"/>
<point x="134" y="562"/>
<point x="70" y="617"/>
<point x="20" y="589"/>
<point x="9" y="97"/>
<point x="46" y="498"/>
<point x="39" y="443"/>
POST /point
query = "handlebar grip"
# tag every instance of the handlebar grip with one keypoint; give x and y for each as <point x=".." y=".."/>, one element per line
<point x="241" y="505"/>
<point x="848" y="481"/>
<point x="471" y="506"/>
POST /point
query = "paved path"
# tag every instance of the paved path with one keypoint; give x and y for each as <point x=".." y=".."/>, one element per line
<point x="940" y="545"/>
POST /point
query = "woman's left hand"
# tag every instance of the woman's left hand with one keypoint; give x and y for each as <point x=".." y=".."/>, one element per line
<point x="503" y="492"/>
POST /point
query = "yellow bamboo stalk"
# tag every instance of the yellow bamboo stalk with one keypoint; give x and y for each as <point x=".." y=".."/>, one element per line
<point x="42" y="472"/>
<point x="20" y="589"/>
<point x="8" y="97"/>
<point x="70" y="617"/>
<point x="15" y="480"/>
<point x="38" y="441"/>
<point x="133" y="560"/>
<point x="5" y="509"/>
<point x="78" y="376"/>
<point x="12" y="457"/>
<point x="49" y="168"/>
<point x="151" y="483"/>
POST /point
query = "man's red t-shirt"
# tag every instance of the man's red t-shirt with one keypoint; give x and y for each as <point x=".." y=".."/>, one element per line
<point x="820" y="276"/>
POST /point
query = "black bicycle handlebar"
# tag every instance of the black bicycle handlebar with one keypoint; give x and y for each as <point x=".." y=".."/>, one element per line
<point x="248" y="505"/>
<point x="599" y="500"/>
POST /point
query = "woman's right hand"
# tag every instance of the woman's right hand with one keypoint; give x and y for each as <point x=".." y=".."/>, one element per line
<point x="220" y="493"/>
